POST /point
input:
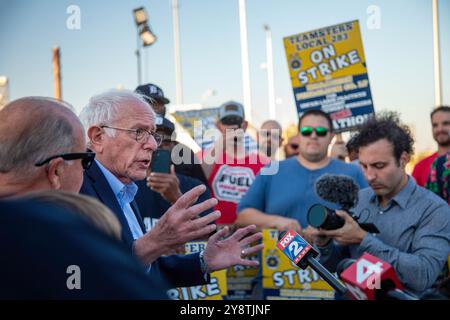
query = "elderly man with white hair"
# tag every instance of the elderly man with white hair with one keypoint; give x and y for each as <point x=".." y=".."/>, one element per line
<point x="120" y="128"/>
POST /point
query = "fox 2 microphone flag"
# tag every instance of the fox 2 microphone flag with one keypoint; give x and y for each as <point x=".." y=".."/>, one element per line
<point x="303" y="255"/>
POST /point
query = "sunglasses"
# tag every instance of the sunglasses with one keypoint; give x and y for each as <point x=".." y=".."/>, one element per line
<point x="320" y="131"/>
<point x="87" y="158"/>
<point x="232" y="121"/>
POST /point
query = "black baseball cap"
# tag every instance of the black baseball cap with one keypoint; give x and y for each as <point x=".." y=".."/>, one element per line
<point x="153" y="91"/>
<point x="165" y="125"/>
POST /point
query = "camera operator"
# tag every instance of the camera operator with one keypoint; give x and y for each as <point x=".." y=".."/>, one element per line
<point x="414" y="223"/>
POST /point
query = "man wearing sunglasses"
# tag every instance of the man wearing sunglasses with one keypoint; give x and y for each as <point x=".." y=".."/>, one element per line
<point x="42" y="146"/>
<point x="282" y="200"/>
<point x="291" y="147"/>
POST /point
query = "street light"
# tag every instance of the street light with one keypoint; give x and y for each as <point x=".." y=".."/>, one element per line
<point x="145" y="36"/>
<point x="140" y="16"/>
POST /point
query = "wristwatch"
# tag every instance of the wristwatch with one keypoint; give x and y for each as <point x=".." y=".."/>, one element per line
<point x="203" y="265"/>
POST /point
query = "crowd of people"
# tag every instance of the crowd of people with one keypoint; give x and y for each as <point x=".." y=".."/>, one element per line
<point x="84" y="192"/>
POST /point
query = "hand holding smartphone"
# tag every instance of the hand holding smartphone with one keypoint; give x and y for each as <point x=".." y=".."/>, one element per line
<point x="161" y="161"/>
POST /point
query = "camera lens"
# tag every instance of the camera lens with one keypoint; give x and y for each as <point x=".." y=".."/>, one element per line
<point x="317" y="215"/>
<point x="320" y="216"/>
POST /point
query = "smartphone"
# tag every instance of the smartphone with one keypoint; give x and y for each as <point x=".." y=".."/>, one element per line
<point x="161" y="161"/>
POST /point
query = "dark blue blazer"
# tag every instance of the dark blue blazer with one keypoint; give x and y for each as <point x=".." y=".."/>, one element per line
<point x="175" y="270"/>
<point x="39" y="243"/>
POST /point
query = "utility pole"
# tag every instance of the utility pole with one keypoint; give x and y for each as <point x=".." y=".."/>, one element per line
<point x="270" y="73"/>
<point x="139" y="61"/>
<point x="436" y="56"/>
<point x="57" y="72"/>
<point x="245" y="62"/>
<point x="176" y="40"/>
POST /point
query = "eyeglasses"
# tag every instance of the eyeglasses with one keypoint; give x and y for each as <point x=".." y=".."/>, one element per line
<point x="320" y="131"/>
<point x="87" y="158"/>
<point x="142" y="135"/>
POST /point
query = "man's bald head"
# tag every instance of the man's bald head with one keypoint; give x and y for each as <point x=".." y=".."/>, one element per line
<point x="33" y="129"/>
<point x="271" y="125"/>
<point x="270" y="137"/>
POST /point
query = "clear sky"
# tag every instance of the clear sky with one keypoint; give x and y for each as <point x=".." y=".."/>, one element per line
<point x="100" y="55"/>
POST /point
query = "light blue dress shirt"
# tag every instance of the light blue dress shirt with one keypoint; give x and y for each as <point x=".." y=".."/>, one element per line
<point x="125" y="194"/>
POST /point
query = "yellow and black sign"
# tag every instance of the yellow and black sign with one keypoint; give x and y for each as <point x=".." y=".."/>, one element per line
<point x="283" y="280"/>
<point x="239" y="280"/>
<point x="328" y="71"/>
<point x="215" y="290"/>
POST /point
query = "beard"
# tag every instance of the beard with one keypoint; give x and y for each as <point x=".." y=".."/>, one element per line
<point x="445" y="143"/>
<point x="442" y="139"/>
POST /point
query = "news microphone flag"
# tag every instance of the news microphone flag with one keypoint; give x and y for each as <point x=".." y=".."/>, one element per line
<point x="303" y="255"/>
<point x="369" y="274"/>
<point x="294" y="247"/>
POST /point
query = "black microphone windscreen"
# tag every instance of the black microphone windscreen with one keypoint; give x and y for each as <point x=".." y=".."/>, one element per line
<point x="343" y="265"/>
<point x="338" y="189"/>
<point x="281" y="235"/>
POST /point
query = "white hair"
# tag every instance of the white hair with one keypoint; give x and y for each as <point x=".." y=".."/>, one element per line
<point x="105" y="108"/>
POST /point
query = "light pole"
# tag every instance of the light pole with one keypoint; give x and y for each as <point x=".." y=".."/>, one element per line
<point x="245" y="62"/>
<point x="436" y="56"/>
<point x="176" y="42"/>
<point x="270" y="73"/>
<point x="145" y="36"/>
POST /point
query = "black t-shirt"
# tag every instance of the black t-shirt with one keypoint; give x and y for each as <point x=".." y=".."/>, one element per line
<point x="190" y="169"/>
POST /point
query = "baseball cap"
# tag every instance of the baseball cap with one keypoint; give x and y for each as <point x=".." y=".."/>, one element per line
<point x="164" y="124"/>
<point x="231" y="112"/>
<point x="153" y="91"/>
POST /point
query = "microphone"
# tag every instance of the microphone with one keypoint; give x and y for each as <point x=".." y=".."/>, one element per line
<point x="370" y="278"/>
<point x="338" y="189"/>
<point x="303" y="255"/>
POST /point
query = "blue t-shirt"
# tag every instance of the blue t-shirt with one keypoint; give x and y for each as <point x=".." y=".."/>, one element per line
<point x="290" y="192"/>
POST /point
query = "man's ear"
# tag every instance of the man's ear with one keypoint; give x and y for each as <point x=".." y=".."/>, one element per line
<point x="96" y="137"/>
<point x="54" y="173"/>
<point x="404" y="159"/>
